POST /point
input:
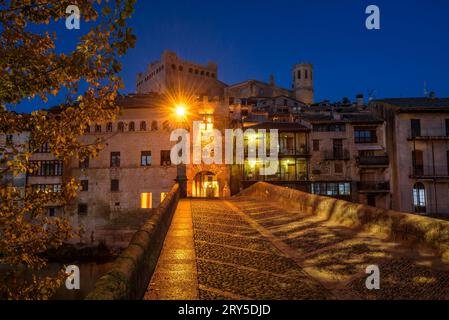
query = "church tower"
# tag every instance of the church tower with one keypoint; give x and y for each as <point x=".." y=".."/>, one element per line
<point x="303" y="82"/>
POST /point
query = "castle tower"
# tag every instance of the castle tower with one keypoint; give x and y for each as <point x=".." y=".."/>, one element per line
<point x="303" y="82"/>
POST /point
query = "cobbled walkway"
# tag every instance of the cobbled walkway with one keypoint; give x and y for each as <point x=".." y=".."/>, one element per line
<point x="250" y="249"/>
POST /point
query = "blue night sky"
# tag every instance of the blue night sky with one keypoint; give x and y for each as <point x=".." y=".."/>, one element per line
<point x="251" y="39"/>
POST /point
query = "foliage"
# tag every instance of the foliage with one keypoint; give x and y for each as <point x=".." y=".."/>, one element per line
<point x="32" y="66"/>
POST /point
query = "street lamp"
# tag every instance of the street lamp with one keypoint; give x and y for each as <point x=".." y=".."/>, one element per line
<point x="181" y="110"/>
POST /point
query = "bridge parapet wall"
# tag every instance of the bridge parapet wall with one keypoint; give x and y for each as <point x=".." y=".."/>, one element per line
<point x="130" y="274"/>
<point x="411" y="229"/>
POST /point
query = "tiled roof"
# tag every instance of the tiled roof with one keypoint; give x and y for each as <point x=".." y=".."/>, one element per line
<point x="416" y="102"/>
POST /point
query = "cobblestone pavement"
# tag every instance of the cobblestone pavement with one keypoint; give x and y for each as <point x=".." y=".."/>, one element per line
<point x="250" y="249"/>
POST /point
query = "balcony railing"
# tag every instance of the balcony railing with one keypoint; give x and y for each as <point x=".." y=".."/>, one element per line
<point x="277" y="177"/>
<point x="337" y="155"/>
<point x="432" y="133"/>
<point x="418" y="171"/>
<point x="374" y="186"/>
<point x="373" y="161"/>
<point x="302" y="151"/>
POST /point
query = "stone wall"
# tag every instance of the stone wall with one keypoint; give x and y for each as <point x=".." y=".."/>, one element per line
<point x="130" y="274"/>
<point x="413" y="230"/>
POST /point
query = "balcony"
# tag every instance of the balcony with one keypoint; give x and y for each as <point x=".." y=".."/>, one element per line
<point x="429" y="172"/>
<point x="373" y="187"/>
<point x="337" y="155"/>
<point x="302" y="151"/>
<point x="373" y="161"/>
<point x="429" y="134"/>
<point x="284" y="176"/>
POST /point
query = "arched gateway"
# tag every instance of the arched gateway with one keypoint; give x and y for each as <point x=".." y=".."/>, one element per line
<point x="205" y="185"/>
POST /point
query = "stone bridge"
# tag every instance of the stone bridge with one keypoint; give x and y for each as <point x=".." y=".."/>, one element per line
<point x="277" y="243"/>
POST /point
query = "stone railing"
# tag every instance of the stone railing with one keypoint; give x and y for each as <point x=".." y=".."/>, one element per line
<point x="411" y="229"/>
<point x="130" y="274"/>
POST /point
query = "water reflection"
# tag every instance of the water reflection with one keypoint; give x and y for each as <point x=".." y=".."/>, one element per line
<point x="90" y="272"/>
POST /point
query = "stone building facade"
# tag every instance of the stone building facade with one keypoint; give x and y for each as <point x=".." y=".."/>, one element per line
<point x="418" y="147"/>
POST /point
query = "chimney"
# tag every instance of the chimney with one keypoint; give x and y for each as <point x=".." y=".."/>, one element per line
<point x="360" y="100"/>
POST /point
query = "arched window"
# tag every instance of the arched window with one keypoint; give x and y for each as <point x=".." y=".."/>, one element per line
<point x="98" y="128"/>
<point x="173" y="67"/>
<point x="419" y="198"/>
<point x="299" y="74"/>
<point x="180" y="68"/>
<point x="132" y="126"/>
<point x="143" y="126"/>
<point x="121" y="127"/>
<point x="109" y="127"/>
<point x="154" y="125"/>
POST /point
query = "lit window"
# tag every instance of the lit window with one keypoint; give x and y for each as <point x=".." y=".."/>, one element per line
<point x="146" y="200"/>
<point x="115" y="159"/>
<point x="419" y="198"/>
<point x="163" y="196"/>
<point x="145" y="158"/>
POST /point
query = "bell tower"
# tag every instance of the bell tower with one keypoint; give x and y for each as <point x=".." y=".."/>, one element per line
<point x="303" y="82"/>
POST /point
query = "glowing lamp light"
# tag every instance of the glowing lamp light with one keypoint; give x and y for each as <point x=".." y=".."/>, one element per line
<point x="180" y="110"/>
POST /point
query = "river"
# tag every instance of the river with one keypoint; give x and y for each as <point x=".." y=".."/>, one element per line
<point x="90" y="272"/>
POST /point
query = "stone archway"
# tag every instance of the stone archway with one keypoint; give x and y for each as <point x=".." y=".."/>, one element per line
<point x="205" y="185"/>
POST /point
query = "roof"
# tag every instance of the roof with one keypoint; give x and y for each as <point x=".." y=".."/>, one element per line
<point x="417" y="104"/>
<point x="281" y="126"/>
<point x="361" y="117"/>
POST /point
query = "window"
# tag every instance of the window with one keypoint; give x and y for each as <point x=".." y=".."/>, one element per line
<point x="47" y="187"/>
<point x="132" y="126"/>
<point x="415" y="127"/>
<point x="84" y="185"/>
<point x="145" y="158"/>
<point x="365" y="136"/>
<point x="306" y="74"/>
<point x="115" y="185"/>
<point x="98" y="128"/>
<point x="82" y="209"/>
<point x="419" y="198"/>
<point x="115" y="159"/>
<point x="146" y="200"/>
<point x="45" y="148"/>
<point x="329" y="128"/>
<point x="84" y="164"/>
<point x="143" y="126"/>
<point x="316" y="145"/>
<point x="109" y="127"/>
<point x="45" y="168"/>
<point x="338" y="168"/>
<point x="165" y="158"/>
<point x="338" y="148"/>
<point x="51" y="211"/>
<point x="332" y="188"/>
<point x="447" y="127"/>
<point x="299" y="74"/>
<point x="154" y="125"/>
<point x="121" y="127"/>
<point x="418" y="162"/>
